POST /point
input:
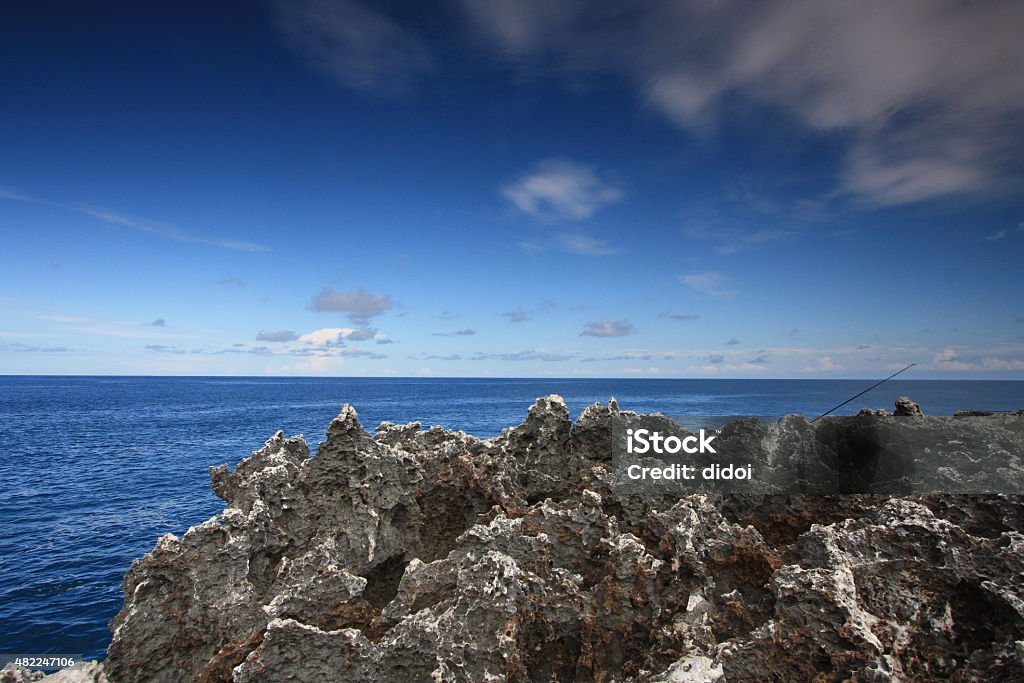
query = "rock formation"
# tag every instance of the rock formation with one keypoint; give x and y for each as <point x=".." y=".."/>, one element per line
<point x="432" y="555"/>
<point x="907" y="408"/>
<point x="83" y="672"/>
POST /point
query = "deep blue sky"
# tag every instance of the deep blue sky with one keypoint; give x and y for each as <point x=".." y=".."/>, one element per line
<point x="675" y="189"/>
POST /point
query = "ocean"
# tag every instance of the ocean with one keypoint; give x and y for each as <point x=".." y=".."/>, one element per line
<point x="95" y="469"/>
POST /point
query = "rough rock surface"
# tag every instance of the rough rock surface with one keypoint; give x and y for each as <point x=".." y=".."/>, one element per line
<point x="432" y="555"/>
<point x="83" y="672"/>
<point x="907" y="408"/>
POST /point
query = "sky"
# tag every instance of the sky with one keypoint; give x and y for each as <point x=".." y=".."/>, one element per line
<point x="513" y="189"/>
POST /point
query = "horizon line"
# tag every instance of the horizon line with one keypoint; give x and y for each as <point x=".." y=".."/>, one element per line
<point x="527" y="377"/>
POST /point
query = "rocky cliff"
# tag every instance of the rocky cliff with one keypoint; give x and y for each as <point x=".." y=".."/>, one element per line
<point x="430" y="555"/>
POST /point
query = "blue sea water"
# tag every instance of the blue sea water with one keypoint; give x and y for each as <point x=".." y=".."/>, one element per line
<point x="95" y="469"/>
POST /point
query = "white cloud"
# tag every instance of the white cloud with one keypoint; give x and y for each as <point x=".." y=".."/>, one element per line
<point x="561" y="190"/>
<point x="949" y="359"/>
<point x="326" y="336"/>
<point x="991" y="363"/>
<point x="928" y="92"/>
<point x="711" y="283"/>
<point x="337" y="336"/>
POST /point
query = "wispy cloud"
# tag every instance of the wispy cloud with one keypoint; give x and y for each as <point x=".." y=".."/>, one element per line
<point x="118" y="220"/>
<point x="165" y="348"/>
<point x="927" y="93"/>
<point x="950" y="359"/>
<point x="824" y="364"/>
<point x="18" y="196"/>
<point x="710" y="283"/>
<point x="586" y="246"/>
<point x="517" y="315"/>
<point x="520" y="314"/>
<point x="1003" y="234"/>
<point x="467" y="332"/>
<point x="561" y="190"/>
<point x="678" y="316"/>
<point x="354" y="44"/>
<point x="538" y="354"/>
<point x="359" y="304"/>
<point x="730" y="241"/>
<point x="332" y="351"/>
<point x="608" y="328"/>
<point x="617" y="357"/>
<point x="165" y="231"/>
<point x="28" y="348"/>
<point x="83" y="325"/>
<point x="276" y="336"/>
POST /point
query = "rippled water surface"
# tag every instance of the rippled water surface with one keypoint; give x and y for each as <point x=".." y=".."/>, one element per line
<point x="95" y="469"/>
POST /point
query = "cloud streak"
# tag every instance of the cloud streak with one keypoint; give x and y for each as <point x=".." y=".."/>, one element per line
<point x="586" y="246"/>
<point x="118" y="220"/>
<point x="608" y="328"/>
<point x="710" y="283"/>
<point x="927" y="92"/>
<point x="468" y="332"/>
<point x="165" y="231"/>
<point x="678" y="316"/>
<point x="354" y="44"/>
<point x="277" y="336"/>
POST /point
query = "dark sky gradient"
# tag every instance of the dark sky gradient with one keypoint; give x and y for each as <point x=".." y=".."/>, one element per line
<point x="513" y="189"/>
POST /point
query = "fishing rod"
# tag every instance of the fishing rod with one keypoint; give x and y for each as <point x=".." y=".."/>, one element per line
<point x="863" y="392"/>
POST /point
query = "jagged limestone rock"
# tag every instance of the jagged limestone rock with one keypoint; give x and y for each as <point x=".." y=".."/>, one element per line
<point x="83" y="672"/>
<point x="907" y="408"/>
<point x="419" y="555"/>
